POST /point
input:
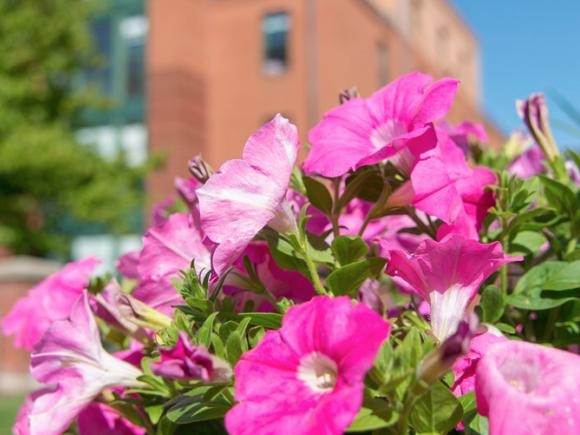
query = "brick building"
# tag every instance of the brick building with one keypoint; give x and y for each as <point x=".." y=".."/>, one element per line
<point x="199" y="76"/>
<point x="217" y="70"/>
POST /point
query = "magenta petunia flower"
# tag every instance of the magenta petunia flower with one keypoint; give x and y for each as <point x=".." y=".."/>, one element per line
<point x="50" y="300"/>
<point x="444" y="186"/>
<point x="465" y="366"/>
<point x="364" y="132"/>
<point x="464" y="132"/>
<point x="524" y="388"/>
<point x="244" y="196"/>
<point x="70" y="359"/>
<point x="448" y="275"/>
<point x="307" y="377"/>
<point x="99" y="419"/>
<point x="185" y="361"/>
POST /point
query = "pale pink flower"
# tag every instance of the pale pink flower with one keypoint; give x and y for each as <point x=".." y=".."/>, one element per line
<point x="244" y="196"/>
<point x="100" y="419"/>
<point x="524" y="388"/>
<point x="72" y="362"/>
<point x="448" y="274"/>
<point x="364" y="132"/>
<point x="168" y="249"/>
<point x="307" y="377"/>
<point x="50" y="300"/>
<point x="465" y="366"/>
<point x="280" y="283"/>
<point x="185" y="361"/>
<point x="186" y="188"/>
<point x="127" y="264"/>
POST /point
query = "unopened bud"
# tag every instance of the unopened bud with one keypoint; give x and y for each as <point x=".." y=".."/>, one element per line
<point x="348" y="94"/>
<point x="199" y="169"/>
<point x="534" y="113"/>
<point x="440" y="360"/>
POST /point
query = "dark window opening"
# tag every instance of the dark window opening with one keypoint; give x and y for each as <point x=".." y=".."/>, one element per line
<point x="275" y="29"/>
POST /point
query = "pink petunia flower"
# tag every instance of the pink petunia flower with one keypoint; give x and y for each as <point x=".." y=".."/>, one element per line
<point x="307" y="377"/>
<point x="464" y="367"/>
<point x="464" y="132"/>
<point x="99" y="419"/>
<point x="50" y="300"/>
<point x="280" y="283"/>
<point x="529" y="163"/>
<point x="168" y="249"/>
<point x="448" y="275"/>
<point x="186" y="362"/>
<point x="444" y="186"/>
<point x="70" y="359"/>
<point x="244" y="196"/>
<point x="524" y="388"/>
<point x="364" y="132"/>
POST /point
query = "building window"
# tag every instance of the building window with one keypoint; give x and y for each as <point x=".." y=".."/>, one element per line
<point x="383" y="64"/>
<point x="101" y="74"/>
<point x="275" y="28"/>
<point x="133" y="32"/>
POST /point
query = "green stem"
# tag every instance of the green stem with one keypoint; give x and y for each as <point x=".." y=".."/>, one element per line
<point x="504" y="268"/>
<point x="426" y="229"/>
<point x="335" y="207"/>
<point x="313" y="274"/>
<point x="552" y="317"/>
<point x="415" y="392"/>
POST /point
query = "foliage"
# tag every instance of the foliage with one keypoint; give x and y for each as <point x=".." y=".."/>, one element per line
<point x="47" y="180"/>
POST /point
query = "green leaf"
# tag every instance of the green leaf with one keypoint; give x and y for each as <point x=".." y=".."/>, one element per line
<point x="478" y="425"/>
<point x="190" y="410"/>
<point x="537" y="276"/>
<point x="374" y="414"/>
<point x="284" y="253"/>
<point x="565" y="279"/>
<point x="204" y="333"/>
<point x="526" y="242"/>
<point x="347" y="279"/>
<point x="348" y="249"/>
<point x="436" y="411"/>
<point x="235" y="347"/>
<point x="468" y="402"/>
<point x="267" y="320"/>
<point x="154" y="412"/>
<point x="559" y="196"/>
<point x="318" y="195"/>
<point x="492" y="304"/>
<point x="529" y="293"/>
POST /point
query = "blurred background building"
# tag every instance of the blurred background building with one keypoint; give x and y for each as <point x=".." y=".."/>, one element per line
<point x="199" y="76"/>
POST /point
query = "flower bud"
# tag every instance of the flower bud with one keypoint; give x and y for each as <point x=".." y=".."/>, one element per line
<point x="199" y="169"/>
<point x="441" y="360"/>
<point x="348" y="94"/>
<point x="534" y="113"/>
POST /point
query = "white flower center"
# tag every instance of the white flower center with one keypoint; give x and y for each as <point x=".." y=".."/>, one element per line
<point x="385" y="133"/>
<point x="318" y="372"/>
<point x="447" y="310"/>
<point x="522" y="374"/>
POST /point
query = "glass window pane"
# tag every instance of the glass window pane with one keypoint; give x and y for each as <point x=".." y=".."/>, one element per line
<point x="275" y="29"/>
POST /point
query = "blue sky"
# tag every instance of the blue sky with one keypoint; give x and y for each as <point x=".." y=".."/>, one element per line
<point x="527" y="46"/>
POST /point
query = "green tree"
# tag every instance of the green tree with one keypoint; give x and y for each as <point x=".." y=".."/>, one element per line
<point x="46" y="177"/>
